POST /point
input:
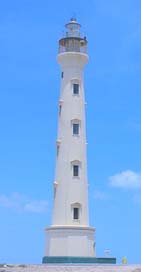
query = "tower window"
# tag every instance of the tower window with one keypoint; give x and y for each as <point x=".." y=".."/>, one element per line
<point x="75" y="129"/>
<point x="58" y="147"/>
<point x="75" y="213"/>
<point x="58" y="142"/>
<point x="75" y="170"/>
<point x="60" y="109"/>
<point x="55" y="188"/>
<point x="75" y="88"/>
<point x="60" y="106"/>
<point x="62" y="74"/>
<point x="54" y="192"/>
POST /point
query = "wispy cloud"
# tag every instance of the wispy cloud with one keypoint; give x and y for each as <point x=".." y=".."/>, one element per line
<point x="137" y="198"/>
<point x="136" y="125"/>
<point x="100" y="195"/>
<point x="22" y="203"/>
<point x="126" y="179"/>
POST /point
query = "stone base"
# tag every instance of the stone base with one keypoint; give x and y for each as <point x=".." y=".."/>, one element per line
<point x="78" y="260"/>
<point x="65" y="241"/>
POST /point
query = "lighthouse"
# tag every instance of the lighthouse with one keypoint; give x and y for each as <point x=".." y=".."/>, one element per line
<point x="70" y="235"/>
<point x="70" y="239"/>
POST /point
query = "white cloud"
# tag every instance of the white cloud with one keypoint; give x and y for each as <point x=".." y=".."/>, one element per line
<point x="99" y="195"/>
<point x="36" y="206"/>
<point x="22" y="203"/>
<point x="126" y="179"/>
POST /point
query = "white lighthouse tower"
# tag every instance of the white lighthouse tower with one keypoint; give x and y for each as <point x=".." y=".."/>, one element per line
<point x="70" y="237"/>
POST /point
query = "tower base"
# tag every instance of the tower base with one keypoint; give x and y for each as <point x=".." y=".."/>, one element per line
<point x="66" y="241"/>
<point x="78" y="260"/>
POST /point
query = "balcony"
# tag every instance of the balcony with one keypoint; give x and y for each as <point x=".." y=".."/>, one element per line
<point x="73" y="44"/>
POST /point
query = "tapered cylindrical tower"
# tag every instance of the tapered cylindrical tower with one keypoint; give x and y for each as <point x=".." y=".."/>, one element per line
<point x="70" y="235"/>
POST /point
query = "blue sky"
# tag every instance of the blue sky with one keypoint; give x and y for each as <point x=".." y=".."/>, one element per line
<point x="29" y="93"/>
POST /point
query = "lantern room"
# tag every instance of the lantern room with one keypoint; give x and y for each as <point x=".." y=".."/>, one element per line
<point x="73" y="40"/>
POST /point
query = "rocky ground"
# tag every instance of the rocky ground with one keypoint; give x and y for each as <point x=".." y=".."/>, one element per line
<point x="70" y="268"/>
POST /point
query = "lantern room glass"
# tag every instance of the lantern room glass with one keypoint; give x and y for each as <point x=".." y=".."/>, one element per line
<point x="73" y="41"/>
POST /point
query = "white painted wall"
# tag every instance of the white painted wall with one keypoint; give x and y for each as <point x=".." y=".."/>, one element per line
<point x="66" y="236"/>
<point x="70" y="190"/>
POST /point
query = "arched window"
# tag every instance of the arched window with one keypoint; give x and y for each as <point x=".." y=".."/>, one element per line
<point x="75" y="86"/>
<point x="76" y="211"/>
<point x="76" y="168"/>
<point x="75" y="127"/>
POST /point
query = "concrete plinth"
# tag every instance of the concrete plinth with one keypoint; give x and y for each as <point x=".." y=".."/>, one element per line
<point x="78" y="260"/>
<point x="66" y="241"/>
